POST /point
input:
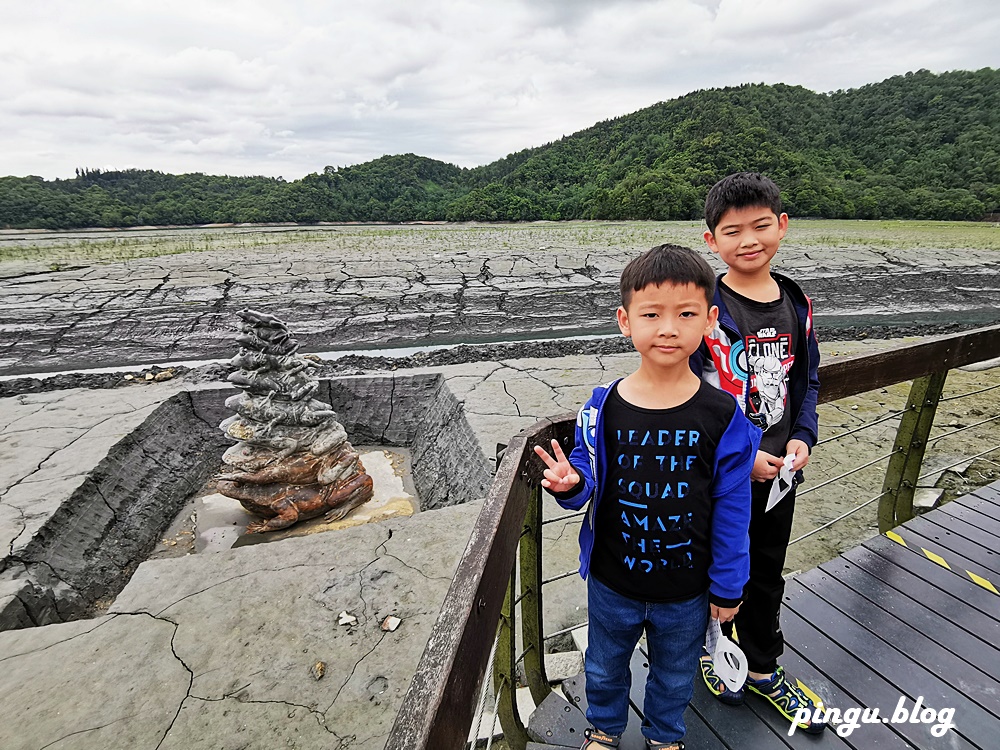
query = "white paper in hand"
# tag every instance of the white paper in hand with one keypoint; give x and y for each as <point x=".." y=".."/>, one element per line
<point x="728" y="659"/>
<point x="712" y="635"/>
<point x="782" y="483"/>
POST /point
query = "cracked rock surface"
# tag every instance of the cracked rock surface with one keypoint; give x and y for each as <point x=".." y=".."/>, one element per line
<point x="215" y="651"/>
<point x="363" y="288"/>
<point x="65" y="685"/>
<point x="75" y="500"/>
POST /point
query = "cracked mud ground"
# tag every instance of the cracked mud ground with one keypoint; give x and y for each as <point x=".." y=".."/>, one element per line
<point x="362" y="287"/>
<point x="218" y="655"/>
<point x="215" y="653"/>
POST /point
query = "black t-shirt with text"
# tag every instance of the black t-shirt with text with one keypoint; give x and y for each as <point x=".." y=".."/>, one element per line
<point x="652" y="525"/>
<point x="770" y="333"/>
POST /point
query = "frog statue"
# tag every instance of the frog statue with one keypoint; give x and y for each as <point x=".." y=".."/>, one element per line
<point x="292" y="459"/>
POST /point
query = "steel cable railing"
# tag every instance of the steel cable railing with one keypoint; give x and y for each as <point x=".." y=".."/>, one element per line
<point x="868" y="502"/>
<point x="893" y="415"/>
<point x="865" y="426"/>
<point x="962" y="429"/>
<point x="564" y="517"/>
<point x="971" y="393"/>
<point x="439" y="707"/>
<point x="882" y="494"/>
<point x="848" y="473"/>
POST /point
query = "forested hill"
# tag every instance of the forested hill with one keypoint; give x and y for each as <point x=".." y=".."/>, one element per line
<point x="914" y="146"/>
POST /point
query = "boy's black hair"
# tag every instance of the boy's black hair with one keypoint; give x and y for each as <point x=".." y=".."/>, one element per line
<point x="667" y="264"/>
<point x="740" y="190"/>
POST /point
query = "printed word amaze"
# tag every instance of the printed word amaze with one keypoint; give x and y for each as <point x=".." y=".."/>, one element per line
<point x="655" y="536"/>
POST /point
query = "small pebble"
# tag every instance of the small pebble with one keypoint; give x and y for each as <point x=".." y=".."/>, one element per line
<point x="390" y="623"/>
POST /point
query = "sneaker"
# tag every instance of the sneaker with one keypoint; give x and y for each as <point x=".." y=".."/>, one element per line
<point x="597" y="740"/>
<point x="788" y="697"/>
<point x="715" y="684"/>
<point x="650" y="745"/>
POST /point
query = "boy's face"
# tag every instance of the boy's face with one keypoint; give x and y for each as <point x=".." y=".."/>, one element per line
<point x="747" y="238"/>
<point x="667" y="321"/>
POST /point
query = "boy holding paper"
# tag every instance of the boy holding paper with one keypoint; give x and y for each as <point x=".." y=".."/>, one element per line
<point x="763" y="351"/>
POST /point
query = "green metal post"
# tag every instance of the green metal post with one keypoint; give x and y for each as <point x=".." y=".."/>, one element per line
<point x="896" y="504"/>
<point x="531" y="598"/>
<point x="504" y="671"/>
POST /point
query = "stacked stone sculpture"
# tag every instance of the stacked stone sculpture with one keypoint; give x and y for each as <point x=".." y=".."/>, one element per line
<point x="292" y="460"/>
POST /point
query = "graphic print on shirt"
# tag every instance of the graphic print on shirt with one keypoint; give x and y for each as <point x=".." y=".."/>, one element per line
<point x="653" y="468"/>
<point x="769" y="357"/>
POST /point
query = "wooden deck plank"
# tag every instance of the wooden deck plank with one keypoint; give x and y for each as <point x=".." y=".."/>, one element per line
<point x="918" y="609"/>
<point x="876" y="736"/>
<point x="912" y="679"/>
<point x="960" y="554"/>
<point x="969" y="532"/>
<point x="736" y="726"/>
<point x="988" y="506"/>
<point x="955" y="582"/>
<point x="925" y="647"/>
<point x="941" y="589"/>
<point x="698" y="734"/>
<point x="556" y="721"/>
<point x="983" y="515"/>
<point x="768" y="715"/>
<point x="989" y="492"/>
<point x="844" y="666"/>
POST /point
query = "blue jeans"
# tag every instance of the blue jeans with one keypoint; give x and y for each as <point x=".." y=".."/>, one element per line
<point x="675" y="633"/>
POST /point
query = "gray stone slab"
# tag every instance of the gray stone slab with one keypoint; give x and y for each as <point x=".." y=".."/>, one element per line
<point x="13" y="615"/>
<point x="239" y="722"/>
<point x="252" y="621"/>
<point x="22" y="603"/>
<point x="83" y="505"/>
<point x="111" y="682"/>
<point x="24" y="452"/>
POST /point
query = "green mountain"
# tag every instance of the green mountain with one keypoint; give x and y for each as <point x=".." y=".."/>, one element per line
<point x="920" y="145"/>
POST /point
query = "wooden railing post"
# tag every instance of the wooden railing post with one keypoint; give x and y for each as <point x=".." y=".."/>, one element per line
<point x="531" y="598"/>
<point x="896" y="503"/>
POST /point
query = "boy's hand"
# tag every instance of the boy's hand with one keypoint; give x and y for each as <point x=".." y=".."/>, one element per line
<point x="724" y="614"/>
<point x="801" y="451"/>
<point x="766" y="466"/>
<point x="560" y="476"/>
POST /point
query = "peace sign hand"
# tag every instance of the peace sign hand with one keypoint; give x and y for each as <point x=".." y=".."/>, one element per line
<point x="560" y="476"/>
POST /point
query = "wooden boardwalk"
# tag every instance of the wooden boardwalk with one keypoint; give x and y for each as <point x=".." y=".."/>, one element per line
<point x="913" y="614"/>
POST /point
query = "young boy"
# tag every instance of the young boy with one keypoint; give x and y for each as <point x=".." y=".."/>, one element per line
<point x="763" y="351"/>
<point x="664" y="461"/>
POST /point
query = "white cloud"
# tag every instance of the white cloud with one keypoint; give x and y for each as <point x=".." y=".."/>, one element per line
<point x="285" y="89"/>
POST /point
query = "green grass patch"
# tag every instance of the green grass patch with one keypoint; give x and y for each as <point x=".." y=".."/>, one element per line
<point x="58" y="250"/>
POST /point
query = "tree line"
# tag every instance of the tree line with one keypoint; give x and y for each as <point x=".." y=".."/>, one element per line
<point x="915" y="146"/>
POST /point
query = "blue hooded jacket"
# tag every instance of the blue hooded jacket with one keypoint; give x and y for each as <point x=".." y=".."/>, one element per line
<point x="729" y="568"/>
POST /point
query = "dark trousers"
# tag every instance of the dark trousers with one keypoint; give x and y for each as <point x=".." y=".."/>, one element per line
<point x="757" y="626"/>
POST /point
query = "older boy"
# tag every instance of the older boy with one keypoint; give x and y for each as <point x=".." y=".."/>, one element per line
<point x="762" y="350"/>
<point x="664" y="461"/>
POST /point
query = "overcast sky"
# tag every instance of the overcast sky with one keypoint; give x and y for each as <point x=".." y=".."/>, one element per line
<point x="286" y="88"/>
